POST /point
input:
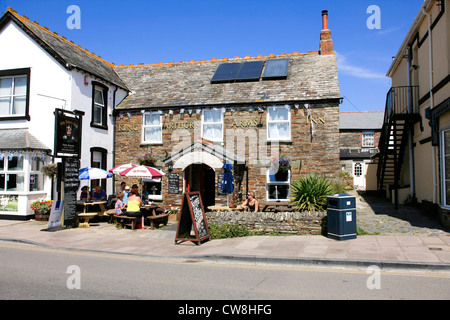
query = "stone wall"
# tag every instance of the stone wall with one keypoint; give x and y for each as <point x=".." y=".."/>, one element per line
<point x="301" y="223"/>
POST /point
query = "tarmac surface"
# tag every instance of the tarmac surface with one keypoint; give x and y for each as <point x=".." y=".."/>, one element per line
<point x="398" y="239"/>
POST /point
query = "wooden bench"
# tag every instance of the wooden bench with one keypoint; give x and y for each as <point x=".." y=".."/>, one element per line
<point x="122" y="219"/>
<point x="160" y="218"/>
<point x="86" y="217"/>
<point x="111" y="213"/>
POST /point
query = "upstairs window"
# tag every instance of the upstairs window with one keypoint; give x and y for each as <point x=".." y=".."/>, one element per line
<point x="99" y="106"/>
<point x="14" y="94"/>
<point x="212" y="125"/>
<point x="368" y="139"/>
<point x="152" y="127"/>
<point x="279" y="123"/>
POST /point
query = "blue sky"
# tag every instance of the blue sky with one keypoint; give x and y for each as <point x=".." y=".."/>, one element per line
<point x="135" y="31"/>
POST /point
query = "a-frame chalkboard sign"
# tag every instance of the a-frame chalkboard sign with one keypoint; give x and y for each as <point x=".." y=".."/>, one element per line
<point x="192" y="217"/>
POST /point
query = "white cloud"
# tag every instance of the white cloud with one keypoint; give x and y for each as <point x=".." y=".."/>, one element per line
<point x="355" y="71"/>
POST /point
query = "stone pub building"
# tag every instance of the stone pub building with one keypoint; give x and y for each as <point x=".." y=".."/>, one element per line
<point x="192" y="116"/>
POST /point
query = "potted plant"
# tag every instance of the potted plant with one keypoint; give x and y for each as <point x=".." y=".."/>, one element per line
<point x="147" y="160"/>
<point x="173" y="213"/>
<point x="281" y="166"/>
<point x="42" y="209"/>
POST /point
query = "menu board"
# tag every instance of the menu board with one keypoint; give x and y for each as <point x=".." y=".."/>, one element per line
<point x="174" y="183"/>
<point x="192" y="218"/>
<point x="219" y="184"/>
<point x="71" y="184"/>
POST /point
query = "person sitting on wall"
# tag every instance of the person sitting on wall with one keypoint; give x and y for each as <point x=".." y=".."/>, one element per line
<point x="99" y="194"/>
<point x="251" y="204"/>
<point x="120" y="206"/>
<point x="134" y="207"/>
<point x="85" y="193"/>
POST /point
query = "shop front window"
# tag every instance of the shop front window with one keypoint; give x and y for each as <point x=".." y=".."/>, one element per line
<point x="12" y="177"/>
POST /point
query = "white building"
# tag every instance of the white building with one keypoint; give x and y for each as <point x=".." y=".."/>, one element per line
<point x="39" y="72"/>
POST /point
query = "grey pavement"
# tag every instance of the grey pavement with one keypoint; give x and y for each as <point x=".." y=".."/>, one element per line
<point x="402" y="239"/>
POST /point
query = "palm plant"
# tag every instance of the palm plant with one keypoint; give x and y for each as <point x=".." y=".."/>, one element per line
<point x="310" y="192"/>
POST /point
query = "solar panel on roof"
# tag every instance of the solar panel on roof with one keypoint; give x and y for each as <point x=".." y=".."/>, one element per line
<point x="250" y="71"/>
<point x="226" y="72"/>
<point x="276" y="69"/>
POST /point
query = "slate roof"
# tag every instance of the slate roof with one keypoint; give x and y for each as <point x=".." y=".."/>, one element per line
<point x="65" y="52"/>
<point x="364" y="120"/>
<point x="310" y="77"/>
<point x="20" y="139"/>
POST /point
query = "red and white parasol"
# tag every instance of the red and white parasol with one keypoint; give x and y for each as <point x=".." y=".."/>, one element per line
<point x="142" y="172"/>
<point x="123" y="167"/>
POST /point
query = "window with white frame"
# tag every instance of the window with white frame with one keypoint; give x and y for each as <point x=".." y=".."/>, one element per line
<point x="277" y="185"/>
<point x="445" y="168"/>
<point x="36" y="176"/>
<point x="12" y="175"/>
<point x="99" y="105"/>
<point x="152" y="189"/>
<point x="278" y="123"/>
<point x="368" y="139"/>
<point x="212" y="124"/>
<point x="13" y="95"/>
<point x="152" y="127"/>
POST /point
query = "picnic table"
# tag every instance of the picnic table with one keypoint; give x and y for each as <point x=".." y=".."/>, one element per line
<point x="276" y="206"/>
<point x="224" y="208"/>
<point x="87" y="215"/>
<point x="155" y="219"/>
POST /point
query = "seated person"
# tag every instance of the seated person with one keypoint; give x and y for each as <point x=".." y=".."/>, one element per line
<point x="85" y="193"/>
<point x="99" y="194"/>
<point x="251" y="204"/>
<point x="134" y="207"/>
<point x="120" y="206"/>
<point x="126" y="193"/>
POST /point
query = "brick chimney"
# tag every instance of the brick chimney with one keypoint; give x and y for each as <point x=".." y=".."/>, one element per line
<point x="326" y="44"/>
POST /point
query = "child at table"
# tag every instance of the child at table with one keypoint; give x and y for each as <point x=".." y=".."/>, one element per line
<point x="120" y="206"/>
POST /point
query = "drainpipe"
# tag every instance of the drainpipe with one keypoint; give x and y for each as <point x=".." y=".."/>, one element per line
<point x="430" y="67"/>
<point x="410" y="111"/>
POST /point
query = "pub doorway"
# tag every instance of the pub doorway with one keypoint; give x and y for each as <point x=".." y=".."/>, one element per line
<point x="201" y="178"/>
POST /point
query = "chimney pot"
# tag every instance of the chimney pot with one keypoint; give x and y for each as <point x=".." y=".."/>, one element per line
<point x="325" y="20"/>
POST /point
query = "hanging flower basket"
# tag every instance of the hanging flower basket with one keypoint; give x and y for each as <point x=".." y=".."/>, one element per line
<point x="147" y="160"/>
<point x="281" y="166"/>
<point x="50" y="170"/>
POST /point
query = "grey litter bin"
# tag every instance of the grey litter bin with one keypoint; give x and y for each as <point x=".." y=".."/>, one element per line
<point x="341" y="216"/>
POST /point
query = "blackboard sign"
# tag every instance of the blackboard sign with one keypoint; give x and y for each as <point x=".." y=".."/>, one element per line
<point x="192" y="218"/>
<point x="219" y="184"/>
<point x="71" y="184"/>
<point x="174" y="183"/>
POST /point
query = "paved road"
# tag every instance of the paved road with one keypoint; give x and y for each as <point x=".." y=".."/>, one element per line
<point x="30" y="272"/>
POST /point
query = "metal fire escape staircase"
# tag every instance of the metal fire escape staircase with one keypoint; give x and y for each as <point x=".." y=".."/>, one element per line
<point x="398" y="123"/>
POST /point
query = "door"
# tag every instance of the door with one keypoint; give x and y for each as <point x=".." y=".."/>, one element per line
<point x="201" y="178"/>
<point x="359" y="175"/>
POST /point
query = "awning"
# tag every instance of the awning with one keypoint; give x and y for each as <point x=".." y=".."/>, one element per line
<point x="20" y="140"/>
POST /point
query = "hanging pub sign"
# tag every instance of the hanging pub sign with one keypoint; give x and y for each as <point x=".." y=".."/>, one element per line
<point x="67" y="133"/>
<point x="192" y="225"/>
